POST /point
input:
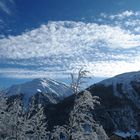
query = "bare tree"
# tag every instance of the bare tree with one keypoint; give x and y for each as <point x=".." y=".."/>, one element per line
<point x="78" y="80"/>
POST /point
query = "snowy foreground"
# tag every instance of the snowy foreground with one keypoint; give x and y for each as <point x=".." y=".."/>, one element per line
<point x="16" y="123"/>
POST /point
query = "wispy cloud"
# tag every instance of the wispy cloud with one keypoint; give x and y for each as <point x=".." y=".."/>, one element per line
<point x="26" y="73"/>
<point x="5" y="6"/>
<point x="97" y="69"/>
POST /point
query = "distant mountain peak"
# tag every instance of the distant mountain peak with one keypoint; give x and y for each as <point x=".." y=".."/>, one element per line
<point x="49" y="87"/>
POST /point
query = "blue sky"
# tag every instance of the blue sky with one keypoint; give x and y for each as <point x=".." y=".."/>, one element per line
<point x="47" y="38"/>
<point x="46" y="10"/>
<point x="28" y="14"/>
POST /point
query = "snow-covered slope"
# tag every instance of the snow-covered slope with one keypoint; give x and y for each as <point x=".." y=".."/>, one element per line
<point x="126" y="85"/>
<point x="47" y="87"/>
<point x="120" y="102"/>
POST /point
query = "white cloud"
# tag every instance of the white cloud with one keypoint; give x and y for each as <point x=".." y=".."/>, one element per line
<point x="67" y="38"/>
<point x="122" y="15"/>
<point x="111" y="68"/>
<point x="127" y="20"/>
<point x="57" y="48"/>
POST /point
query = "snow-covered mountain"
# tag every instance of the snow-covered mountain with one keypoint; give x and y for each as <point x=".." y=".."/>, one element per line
<point x="52" y="90"/>
<point x="120" y="102"/>
<point x="126" y="86"/>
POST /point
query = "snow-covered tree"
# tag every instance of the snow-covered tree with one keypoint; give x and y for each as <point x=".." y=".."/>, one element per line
<point x="59" y="133"/>
<point x="4" y="117"/>
<point x="81" y="124"/>
<point x="17" y="120"/>
<point x="11" y="119"/>
<point x="36" y="124"/>
<point x="18" y="124"/>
